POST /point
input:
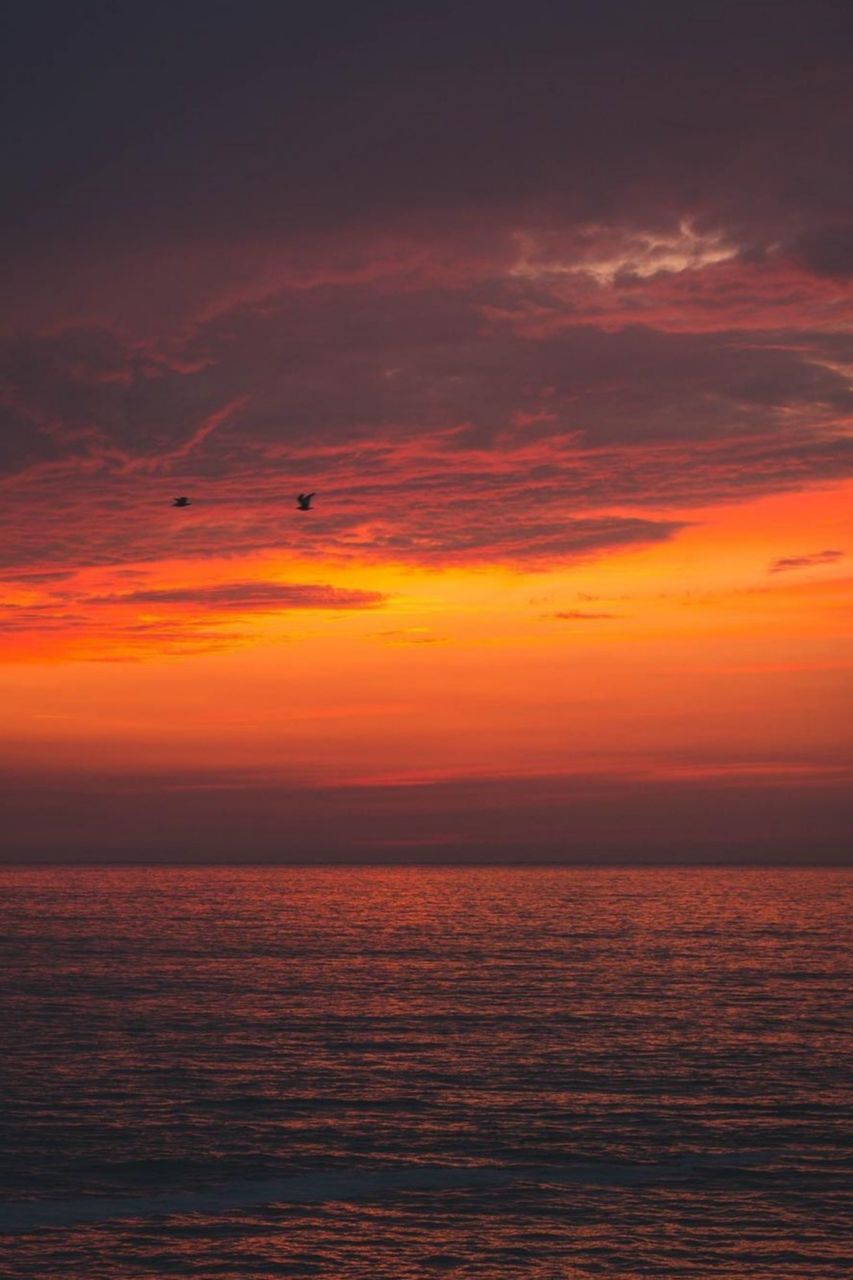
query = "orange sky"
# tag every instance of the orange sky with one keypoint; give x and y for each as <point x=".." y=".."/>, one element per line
<point x="686" y="656"/>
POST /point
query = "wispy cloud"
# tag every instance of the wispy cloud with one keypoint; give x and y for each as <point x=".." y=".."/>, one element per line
<point x="250" y="597"/>
<point x="577" y="615"/>
<point x="435" y="424"/>
<point x="408" y="635"/>
<point x="162" y="621"/>
<point x="807" y="561"/>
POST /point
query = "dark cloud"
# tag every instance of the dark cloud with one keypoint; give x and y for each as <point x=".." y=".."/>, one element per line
<point x="171" y="121"/>
<point x="552" y="262"/>
<point x="828" y="251"/>
<point x="778" y="814"/>
<point x="430" y="434"/>
<point x="82" y="392"/>
<point x="805" y="561"/>
<point x="255" y="597"/>
<point x="338" y="365"/>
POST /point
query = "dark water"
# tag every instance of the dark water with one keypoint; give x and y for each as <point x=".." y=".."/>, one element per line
<point x="410" y="1073"/>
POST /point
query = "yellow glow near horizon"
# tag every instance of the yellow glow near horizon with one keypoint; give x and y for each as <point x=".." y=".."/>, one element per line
<point x="685" y="647"/>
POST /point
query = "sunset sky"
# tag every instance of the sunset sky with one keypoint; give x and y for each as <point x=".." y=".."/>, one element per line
<point x="551" y="305"/>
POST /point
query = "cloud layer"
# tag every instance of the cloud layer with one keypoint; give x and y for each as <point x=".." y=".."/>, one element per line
<point x="434" y="423"/>
<point x="519" y="291"/>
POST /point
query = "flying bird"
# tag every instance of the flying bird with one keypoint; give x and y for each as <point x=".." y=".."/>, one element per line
<point x="304" y="501"/>
<point x="181" y="502"/>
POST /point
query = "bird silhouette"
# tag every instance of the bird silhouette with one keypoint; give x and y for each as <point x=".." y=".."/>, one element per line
<point x="181" y="502"/>
<point x="304" y="501"/>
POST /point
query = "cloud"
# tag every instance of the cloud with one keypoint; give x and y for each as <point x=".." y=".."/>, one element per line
<point x="130" y="626"/>
<point x="250" y="597"/>
<point x="99" y="636"/>
<point x="805" y="561"/>
<point x="668" y="811"/>
<point x="577" y="615"/>
<point x="583" y="111"/>
<point x="41" y="618"/>
<point x="827" y="251"/>
<point x="605" y="281"/>
<point x="435" y="428"/>
<point x="408" y="636"/>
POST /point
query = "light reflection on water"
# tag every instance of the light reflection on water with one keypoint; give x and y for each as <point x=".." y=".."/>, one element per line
<point x="391" y="1073"/>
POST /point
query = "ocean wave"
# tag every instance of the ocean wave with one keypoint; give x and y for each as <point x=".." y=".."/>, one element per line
<point x="318" y="1186"/>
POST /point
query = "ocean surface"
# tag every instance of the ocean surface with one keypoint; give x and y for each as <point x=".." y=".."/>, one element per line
<point x="369" y="1073"/>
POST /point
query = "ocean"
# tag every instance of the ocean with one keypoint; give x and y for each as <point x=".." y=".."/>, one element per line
<point x="361" y="1073"/>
